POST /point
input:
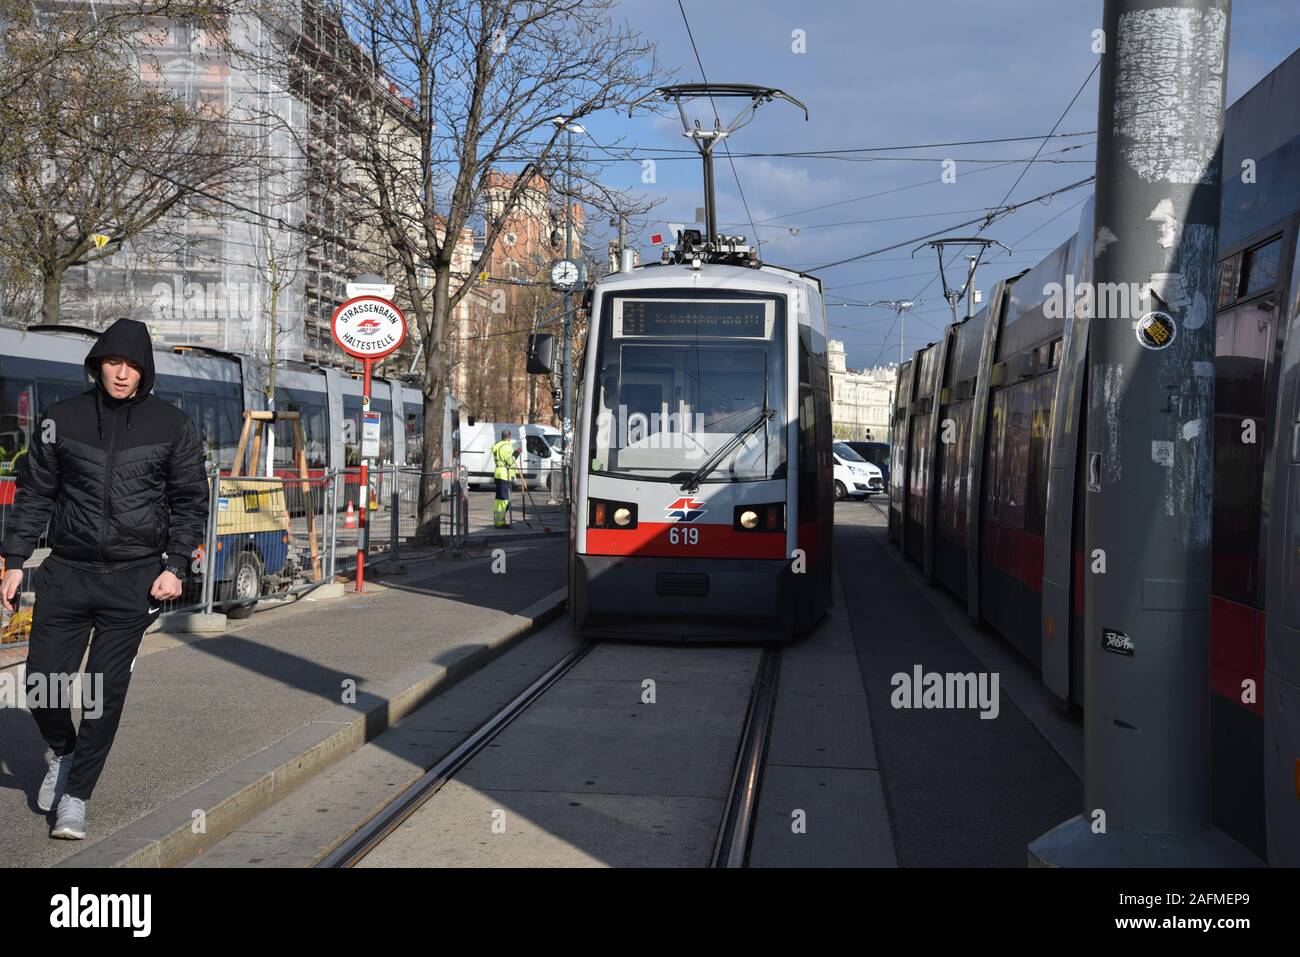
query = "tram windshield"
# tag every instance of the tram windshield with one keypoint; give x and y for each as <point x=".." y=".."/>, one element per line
<point x="679" y="377"/>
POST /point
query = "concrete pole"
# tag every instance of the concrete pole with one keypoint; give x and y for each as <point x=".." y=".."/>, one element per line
<point x="970" y="286"/>
<point x="1149" y="465"/>
<point x="566" y="426"/>
<point x="902" y="318"/>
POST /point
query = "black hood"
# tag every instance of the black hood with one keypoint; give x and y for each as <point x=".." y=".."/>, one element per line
<point x="130" y="340"/>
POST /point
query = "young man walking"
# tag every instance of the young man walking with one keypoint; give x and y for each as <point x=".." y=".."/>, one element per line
<point x="119" y="475"/>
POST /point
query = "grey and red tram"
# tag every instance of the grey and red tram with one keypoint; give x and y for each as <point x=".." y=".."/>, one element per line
<point x="703" y="503"/>
<point x="997" y="516"/>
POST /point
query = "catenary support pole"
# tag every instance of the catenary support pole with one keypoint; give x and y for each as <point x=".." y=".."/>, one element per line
<point x="1149" y="461"/>
<point x="566" y="399"/>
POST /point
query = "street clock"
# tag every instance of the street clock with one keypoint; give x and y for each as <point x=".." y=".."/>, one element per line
<point x="565" y="274"/>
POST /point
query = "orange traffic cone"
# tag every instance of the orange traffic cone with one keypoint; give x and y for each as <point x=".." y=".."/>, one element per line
<point x="350" y="517"/>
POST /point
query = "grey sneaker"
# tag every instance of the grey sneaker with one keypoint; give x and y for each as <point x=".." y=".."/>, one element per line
<point x="56" y="779"/>
<point x="71" y="823"/>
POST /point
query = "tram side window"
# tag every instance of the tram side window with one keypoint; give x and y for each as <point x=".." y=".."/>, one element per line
<point x="312" y="411"/>
<point x="27" y="388"/>
<point x="808" y="465"/>
<point x="1261" y="267"/>
<point x="216" y="409"/>
<point x="1291" y="606"/>
<point x="1238" y="467"/>
<point x="1244" y="342"/>
<point x="1009" y="454"/>
<point x="351" y="429"/>
<point x="1249" y="272"/>
<point x="414" y="433"/>
<point x="958" y="491"/>
<point x="1041" y="392"/>
<point x="18" y="419"/>
<point x="993" y="477"/>
<point x="920" y="477"/>
<point x="950" y="484"/>
<point x="385" y="409"/>
<point x="219" y="421"/>
<point x="1229" y="280"/>
<point x="1015" y="464"/>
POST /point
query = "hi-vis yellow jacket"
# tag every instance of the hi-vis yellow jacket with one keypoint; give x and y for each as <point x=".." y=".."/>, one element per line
<point x="503" y="457"/>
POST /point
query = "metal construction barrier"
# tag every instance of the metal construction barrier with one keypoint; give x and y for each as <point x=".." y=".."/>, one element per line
<point x="268" y="537"/>
<point x="393" y="515"/>
<point x="16" y="626"/>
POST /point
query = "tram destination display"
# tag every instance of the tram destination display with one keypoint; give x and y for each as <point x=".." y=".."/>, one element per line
<point x="728" y="319"/>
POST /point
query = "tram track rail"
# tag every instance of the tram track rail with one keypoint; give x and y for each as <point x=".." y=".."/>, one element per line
<point x="371" y="834"/>
<point x="731" y="849"/>
<point x="731" y="844"/>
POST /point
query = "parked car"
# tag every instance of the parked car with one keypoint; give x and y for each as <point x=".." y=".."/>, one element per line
<point x="854" y="476"/>
<point x="877" y="453"/>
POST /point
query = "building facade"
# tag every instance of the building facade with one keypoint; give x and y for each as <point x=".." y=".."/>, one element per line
<point x="212" y="280"/>
<point x="493" y="383"/>
<point x="860" y="399"/>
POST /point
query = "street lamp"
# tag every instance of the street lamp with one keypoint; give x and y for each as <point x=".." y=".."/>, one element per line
<point x="900" y="306"/>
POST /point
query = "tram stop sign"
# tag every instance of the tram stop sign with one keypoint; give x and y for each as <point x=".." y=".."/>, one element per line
<point x="368" y="327"/>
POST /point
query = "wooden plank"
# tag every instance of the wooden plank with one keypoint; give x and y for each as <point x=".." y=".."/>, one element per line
<point x="255" y="461"/>
<point x="238" y="468"/>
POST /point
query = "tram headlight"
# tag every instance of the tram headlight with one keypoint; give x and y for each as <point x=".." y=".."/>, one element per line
<point x="760" y="518"/>
<point x="602" y="513"/>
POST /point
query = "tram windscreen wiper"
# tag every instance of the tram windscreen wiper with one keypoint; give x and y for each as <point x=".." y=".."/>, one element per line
<point x="692" y="480"/>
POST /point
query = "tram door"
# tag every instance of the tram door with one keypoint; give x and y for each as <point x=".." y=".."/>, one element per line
<point x="1281" y="691"/>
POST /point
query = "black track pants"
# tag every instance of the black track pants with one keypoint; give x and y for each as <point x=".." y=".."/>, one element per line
<point x="69" y="602"/>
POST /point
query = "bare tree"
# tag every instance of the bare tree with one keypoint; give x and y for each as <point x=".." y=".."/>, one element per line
<point x="39" y="36"/>
<point x="95" y="148"/>
<point x="460" y="89"/>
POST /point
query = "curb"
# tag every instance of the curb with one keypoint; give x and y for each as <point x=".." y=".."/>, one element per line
<point x="514" y="538"/>
<point x="165" y="836"/>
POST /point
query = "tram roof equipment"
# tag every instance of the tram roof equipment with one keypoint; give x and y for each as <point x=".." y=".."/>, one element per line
<point x="693" y="247"/>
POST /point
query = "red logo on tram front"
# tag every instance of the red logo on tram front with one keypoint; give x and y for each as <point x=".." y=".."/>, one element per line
<point x="685" y="510"/>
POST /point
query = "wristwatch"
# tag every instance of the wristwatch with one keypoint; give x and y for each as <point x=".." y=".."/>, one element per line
<point x="178" y="572"/>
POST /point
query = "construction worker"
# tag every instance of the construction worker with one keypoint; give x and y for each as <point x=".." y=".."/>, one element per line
<point x="504" y="472"/>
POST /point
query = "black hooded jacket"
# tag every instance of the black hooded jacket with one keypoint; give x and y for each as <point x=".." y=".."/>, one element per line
<point x="120" y="481"/>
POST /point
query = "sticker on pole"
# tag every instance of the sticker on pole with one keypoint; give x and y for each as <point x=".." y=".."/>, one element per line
<point x="368" y="327"/>
<point x="370" y="435"/>
<point x="1156" y="330"/>
<point x="1117" y="642"/>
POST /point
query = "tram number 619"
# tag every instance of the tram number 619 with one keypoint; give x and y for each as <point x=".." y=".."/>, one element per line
<point x="684" y="536"/>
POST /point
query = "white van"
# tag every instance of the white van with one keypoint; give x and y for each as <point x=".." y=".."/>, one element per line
<point x="536" y="458"/>
<point x="541" y="455"/>
<point x="854" y="476"/>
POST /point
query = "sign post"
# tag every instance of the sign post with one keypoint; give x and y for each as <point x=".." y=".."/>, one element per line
<point x="369" y="328"/>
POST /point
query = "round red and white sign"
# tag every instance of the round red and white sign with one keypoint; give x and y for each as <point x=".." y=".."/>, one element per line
<point x="368" y="327"/>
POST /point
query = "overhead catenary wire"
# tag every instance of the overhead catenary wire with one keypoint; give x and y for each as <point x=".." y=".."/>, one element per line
<point x="758" y="242"/>
<point x="994" y="214"/>
<point x="1055" y="126"/>
<point x="869" y="149"/>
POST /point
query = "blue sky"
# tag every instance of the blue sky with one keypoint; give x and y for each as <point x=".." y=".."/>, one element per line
<point x="886" y="73"/>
